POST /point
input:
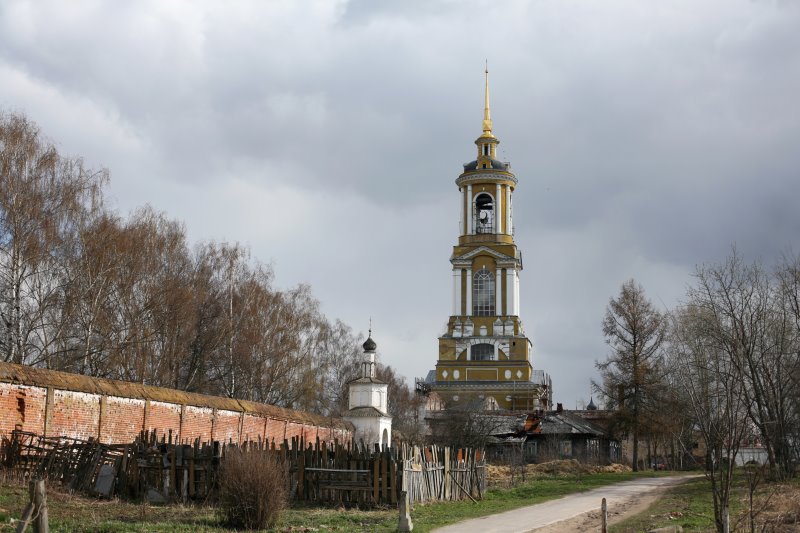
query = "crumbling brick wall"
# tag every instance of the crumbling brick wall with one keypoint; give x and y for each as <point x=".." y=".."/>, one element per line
<point x="60" y="404"/>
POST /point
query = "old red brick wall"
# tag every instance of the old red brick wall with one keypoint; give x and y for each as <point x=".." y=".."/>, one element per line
<point x="197" y="423"/>
<point x="22" y="405"/>
<point x="122" y="417"/>
<point x="163" y="417"/>
<point x="226" y="425"/>
<point x="60" y="404"/>
<point x="276" y="430"/>
<point x="76" y="414"/>
<point x="253" y="427"/>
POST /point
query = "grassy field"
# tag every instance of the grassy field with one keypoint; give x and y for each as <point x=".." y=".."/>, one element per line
<point x="69" y="513"/>
<point x="690" y="506"/>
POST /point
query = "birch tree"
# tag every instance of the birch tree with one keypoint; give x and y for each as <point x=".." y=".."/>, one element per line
<point x="43" y="195"/>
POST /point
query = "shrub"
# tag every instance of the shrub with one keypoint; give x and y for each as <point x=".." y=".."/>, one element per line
<point x="253" y="489"/>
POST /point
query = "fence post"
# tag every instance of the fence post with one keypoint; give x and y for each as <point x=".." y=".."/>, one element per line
<point x="405" y="524"/>
<point x="36" y="510"/>
<point x="604" y="517"/>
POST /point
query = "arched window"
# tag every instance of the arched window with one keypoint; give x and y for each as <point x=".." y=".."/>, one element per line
<point x="483" y="293"/>
<point x="484" y="213"/>
<point x="481" y="352"/>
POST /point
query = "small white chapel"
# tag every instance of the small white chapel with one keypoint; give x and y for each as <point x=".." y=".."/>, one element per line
<point x="368" y="406"/>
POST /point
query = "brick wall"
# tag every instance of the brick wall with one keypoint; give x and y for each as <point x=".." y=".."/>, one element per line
<point x="23" y="405"/>
<point x="61" y="404"/>
<point x="122" y="417"/>
<point x="163" y="416"/>
<point x="76" y="414"/>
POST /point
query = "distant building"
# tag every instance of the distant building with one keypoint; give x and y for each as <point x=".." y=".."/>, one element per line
<point x="368" y="402"/>
<point x="484" y="352"/>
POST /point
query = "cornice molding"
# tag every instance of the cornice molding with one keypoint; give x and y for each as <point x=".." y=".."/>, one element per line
<point x="467" y="257"/>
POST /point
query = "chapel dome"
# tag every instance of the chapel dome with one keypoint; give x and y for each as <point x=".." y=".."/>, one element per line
<point x="369" y="345"/>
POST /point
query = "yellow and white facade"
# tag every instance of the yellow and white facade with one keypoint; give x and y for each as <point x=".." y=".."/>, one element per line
<point x="484" y="354"/>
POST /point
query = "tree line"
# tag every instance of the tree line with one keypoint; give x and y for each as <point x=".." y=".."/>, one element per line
<point x="718" y="373"/>
<point x="85" y="290"/>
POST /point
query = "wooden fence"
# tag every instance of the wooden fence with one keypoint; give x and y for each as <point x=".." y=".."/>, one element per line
<point x="156" y="468"/>
<point x="437" y="473"/>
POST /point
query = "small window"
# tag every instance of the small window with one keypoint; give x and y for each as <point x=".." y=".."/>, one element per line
<point x="485" y="149"/>
<point x="482" y="352"/>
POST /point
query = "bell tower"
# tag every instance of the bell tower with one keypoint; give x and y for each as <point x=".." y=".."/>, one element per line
<point x="484" y="354"/>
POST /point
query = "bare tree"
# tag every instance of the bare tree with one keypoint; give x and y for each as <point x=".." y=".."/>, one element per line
<point x="85" y="290"/>
<point x="788" y="287"/>
<point x="42" y="198"/>
<point x="752" y="326"/>
<point x="633" y="372"/>
<point x="715" y="398"/>
<point x="404" y="404"/>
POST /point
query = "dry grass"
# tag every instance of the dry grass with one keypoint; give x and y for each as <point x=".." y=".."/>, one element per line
<point x="776" y="508"/>
<point x="500" y="475"/>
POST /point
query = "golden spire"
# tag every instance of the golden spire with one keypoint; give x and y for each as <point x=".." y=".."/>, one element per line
<point x="487" y="116"/>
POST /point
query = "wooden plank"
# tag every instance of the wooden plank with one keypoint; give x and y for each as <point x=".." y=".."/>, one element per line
<point x="172" y="472"/>
<point x="393" y="480"/>
<point x="300" y="476"/>
<point x="376" y="474"/>
<point x="384" y="476"/>
<point x="446" y="485"/>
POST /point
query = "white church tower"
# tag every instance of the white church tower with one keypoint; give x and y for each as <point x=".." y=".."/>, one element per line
<point x="368" y="402"/>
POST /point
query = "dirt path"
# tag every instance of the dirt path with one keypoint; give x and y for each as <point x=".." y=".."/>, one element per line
<point x="578" y="512"/>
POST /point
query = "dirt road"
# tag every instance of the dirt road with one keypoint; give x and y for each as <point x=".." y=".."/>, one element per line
<point x="577" y="512"/>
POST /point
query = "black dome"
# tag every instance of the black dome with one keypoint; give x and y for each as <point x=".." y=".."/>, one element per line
<point x="369" y="345"/>
<point x="495" y="164"/>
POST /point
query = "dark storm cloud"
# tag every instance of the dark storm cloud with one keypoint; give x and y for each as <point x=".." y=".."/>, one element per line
<point x="647" y="138"/>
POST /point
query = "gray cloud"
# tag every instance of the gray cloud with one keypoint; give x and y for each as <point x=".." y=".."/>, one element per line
<point x="647" y="139"/>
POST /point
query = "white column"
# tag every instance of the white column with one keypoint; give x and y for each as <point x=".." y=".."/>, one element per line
<point x="497" y="218"/>
<point x="469" y="292"/>
<point x="461" y="214"/>
<point x="469" y="210"/>
<point x="498" y="292"/>
<point x="456" y="292"/>
<point x="516" y="292"/>
<point x="510" y="307"/>
<point x="508" y="209"/>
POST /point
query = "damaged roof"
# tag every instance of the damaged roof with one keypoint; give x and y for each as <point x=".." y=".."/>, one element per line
<point x="564" y="423"/>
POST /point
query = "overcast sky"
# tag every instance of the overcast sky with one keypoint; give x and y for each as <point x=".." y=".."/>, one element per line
<point x="647" y="137"/>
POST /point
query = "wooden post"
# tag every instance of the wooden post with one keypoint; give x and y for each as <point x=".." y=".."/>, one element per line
<point x="376" y="477"/>
<point x="405" y="524"/>
<point x="36" y="510"/>
<point x="301" y="472"/>
<point x="604" y="517"/>
<point x="173" y="481"/>
<point x="384" y="478"/>
<point x="40" y="523"/>
<point x="191" y="474"/>
<point x="393" y="481"/>
<point x="446" y="477"/>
